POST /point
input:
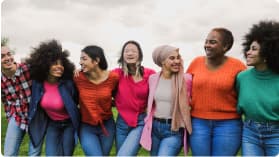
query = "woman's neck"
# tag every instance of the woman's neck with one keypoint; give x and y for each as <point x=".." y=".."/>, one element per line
<point x="97" y="75"/>
<point x="166" y="74"/>
<point x="215" y="63"/>
<point x="132" y="69"/>
<point x="52" y="79"/>
<point x="261" y="67"/>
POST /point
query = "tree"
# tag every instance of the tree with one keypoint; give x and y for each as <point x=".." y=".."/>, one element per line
<point x="4" y="41"/>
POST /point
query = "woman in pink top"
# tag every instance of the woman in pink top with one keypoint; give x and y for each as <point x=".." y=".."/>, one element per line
<point x="131" y="99"/>
<point x="53" y="110"/>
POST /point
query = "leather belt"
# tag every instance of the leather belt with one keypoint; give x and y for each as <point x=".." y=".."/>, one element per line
<point x="162" y="120"/>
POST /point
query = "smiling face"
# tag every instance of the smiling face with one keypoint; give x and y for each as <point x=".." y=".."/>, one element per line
<point x="172" y="63"/>
<point x="7" y="58"/>
<point x="213" y="45"/>
<point x="56" y="70"/>
<point x="131" y="54"/>
<point x="87" y="64"/>
<point x="253" y="57"/>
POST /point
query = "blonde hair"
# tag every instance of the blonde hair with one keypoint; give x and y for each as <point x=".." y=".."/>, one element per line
<point x="127" y="71"/>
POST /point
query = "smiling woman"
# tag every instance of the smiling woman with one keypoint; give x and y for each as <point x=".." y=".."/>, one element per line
<point x="258" y="90"/>
<point x="53" y="108"/>
<point x="213" y="81"/>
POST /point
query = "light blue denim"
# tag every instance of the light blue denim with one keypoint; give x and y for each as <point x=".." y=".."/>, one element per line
<point x="260" y="139"/>
<point x="215" y="137"/>
<point x="13" y="139"/>
<point x="93" y="140"/>
<point x="164" y="141"/>
<point x="127" y="138"/>
<point x="60" y="139"/>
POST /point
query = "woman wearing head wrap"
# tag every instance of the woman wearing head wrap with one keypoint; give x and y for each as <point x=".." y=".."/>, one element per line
<point x="168" y="112"/>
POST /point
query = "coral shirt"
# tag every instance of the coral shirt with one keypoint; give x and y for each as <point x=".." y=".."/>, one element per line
<point x="95" y="99"/>
<point x="213" y="92"/>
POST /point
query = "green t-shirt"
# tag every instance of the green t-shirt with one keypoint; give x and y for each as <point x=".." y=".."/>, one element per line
<point x="258" y="95"/>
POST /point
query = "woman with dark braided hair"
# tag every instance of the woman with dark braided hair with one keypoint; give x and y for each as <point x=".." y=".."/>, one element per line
<point x="53" y="109"/>
<point x="258" y="90"/>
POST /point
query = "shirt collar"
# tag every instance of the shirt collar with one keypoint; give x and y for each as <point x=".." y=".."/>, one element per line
<point x="17" y="73"/>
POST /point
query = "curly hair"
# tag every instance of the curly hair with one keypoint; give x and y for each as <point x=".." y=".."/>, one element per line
<point x="266" y="33"/>
<point x="227" y="37"/>
<point x="42" y="57"/>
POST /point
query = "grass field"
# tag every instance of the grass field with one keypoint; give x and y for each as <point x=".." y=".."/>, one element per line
<point x="78" y="151"/>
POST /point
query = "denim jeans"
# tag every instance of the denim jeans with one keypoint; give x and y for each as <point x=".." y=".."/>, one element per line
<point x="60" y="138"/>
<point x="127" y="138"/>
<point x="164" y="141"/>
<point x="215" y="137"/>
<point x="260" y="139"/>
<point x="13" y="139"/>
<point x="93" y="141"/>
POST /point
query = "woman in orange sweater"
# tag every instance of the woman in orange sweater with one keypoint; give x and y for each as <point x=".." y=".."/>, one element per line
<point x="216" y="124"/>
<point x="95" y="85"/>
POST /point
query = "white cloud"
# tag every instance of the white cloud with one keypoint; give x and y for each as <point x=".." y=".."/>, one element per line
<point x="109" y="24"/>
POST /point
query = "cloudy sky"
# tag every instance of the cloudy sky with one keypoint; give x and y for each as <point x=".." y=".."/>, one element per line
<point x="110" y="23"/>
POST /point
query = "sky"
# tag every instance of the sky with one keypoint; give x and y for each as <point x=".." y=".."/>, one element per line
<point x="110" y="23"/>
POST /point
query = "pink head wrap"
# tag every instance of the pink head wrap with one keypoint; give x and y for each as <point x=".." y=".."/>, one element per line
<point x="161" y="53"/>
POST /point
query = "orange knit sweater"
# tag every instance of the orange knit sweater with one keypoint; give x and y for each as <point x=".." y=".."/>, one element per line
<point x="213" y="92"/>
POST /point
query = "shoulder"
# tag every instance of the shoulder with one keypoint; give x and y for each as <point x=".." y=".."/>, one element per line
<point x="68" y="82"/>
<point x="148" y="71"/>
<point x="23" y="66"/>
<point x="117" y="70"/>
<point x="198" y="59"/>
<point x="113" y="75"/>
<point x="244" y="74"/>
<point x="36" y="83"/>
<point x="237" y="62"/>
<point x="80" y="78"/>
<point x="195" y="63"/>
<point x="187" y="76"/>
<point x="154" y="76"/>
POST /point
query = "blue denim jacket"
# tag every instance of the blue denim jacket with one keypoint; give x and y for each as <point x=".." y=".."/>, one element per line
<point x="38" y="119"/>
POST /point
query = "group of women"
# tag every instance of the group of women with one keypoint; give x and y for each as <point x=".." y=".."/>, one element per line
<point x="200" y="108"/>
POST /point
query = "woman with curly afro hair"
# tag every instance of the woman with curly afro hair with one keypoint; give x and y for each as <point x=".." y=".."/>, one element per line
<point x="53" y="109"/>
<point x="258" y="90"/>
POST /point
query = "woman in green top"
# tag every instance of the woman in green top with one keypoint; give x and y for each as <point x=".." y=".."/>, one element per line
<point x="258" y="90"/>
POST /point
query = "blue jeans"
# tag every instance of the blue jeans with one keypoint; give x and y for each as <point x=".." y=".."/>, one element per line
<point x="215" y="137"/>
<point x="164" y="141"/>
<point x="260" y="139"/>
<point x="60" y="138"/>
<point x="93" y="141"/>
<point x="127" y="138"/>
<point x="13" y="139"/>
